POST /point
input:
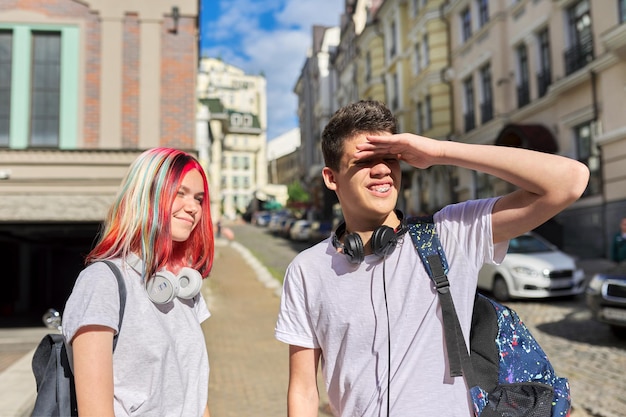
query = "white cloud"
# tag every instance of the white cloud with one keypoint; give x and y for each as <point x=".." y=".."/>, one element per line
<point x="279" y="52"/>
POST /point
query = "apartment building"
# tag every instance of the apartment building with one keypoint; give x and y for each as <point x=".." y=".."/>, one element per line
<point x="86" y="86"/>
<point x="548" y="76"/>
<point x="283" y="158"/>
<point x="316" y="102"/>
<point x="232" y="118"/>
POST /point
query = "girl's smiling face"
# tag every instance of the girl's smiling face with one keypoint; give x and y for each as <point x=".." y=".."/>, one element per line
<point x="187" y="206"/>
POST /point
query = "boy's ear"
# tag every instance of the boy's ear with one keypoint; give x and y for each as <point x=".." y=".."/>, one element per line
<point x="329" y="178"/>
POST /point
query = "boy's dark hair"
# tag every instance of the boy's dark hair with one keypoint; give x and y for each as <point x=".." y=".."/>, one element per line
<point x="365" y="116"/>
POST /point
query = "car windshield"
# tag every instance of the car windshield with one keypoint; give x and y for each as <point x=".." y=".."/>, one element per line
<point x="527" y="244"/>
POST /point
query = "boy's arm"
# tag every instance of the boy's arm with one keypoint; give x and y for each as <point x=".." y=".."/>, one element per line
<point x="546" y="183"/>
<point x="303" y="395"/>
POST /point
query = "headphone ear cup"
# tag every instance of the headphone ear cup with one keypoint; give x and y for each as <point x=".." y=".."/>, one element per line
<point x="162" y="287"/>
<point x="353" y="248"/>
<point x="189" y="283"/>
<point x="383" y="241"/>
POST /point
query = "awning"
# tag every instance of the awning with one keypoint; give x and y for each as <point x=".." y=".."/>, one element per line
<point x="532" y="136"/>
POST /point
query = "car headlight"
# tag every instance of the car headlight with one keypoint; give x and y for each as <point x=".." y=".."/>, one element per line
<point x="523" y="270"/>
<point x="595" y="284"/>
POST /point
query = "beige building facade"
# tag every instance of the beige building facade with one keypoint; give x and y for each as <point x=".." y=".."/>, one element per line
<point x="547" y="75"/>
<point x="232" y="118"/>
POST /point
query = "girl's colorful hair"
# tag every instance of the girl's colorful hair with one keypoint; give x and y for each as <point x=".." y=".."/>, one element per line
<point x="140" y="218"/>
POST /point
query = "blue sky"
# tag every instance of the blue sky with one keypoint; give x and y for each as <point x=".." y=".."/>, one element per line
<point x="269" y="36"/>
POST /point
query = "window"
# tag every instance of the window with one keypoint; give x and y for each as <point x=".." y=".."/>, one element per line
<point x="418" y="58"/>
<point x="426" y="50"/>
<point x="589" y="154"/>
<point x="483" y="12"/>
<point x="235" y="162"/>
<point x="544" y="77"/>
<point x="466" y="24"/>
<point x="6" y="45"/>
<point x="38" y="103"/>
<point x="392" y="48"/>
<point x="428" y="116"/>
<point x="621" y="4"/>
<point x="46" y="89"/>
<point x="416" y="7"/>
<point x="420" y="119"/>
<point x="523" y="93"/>
<point x="395" y="99"/>
<point x="469" y="115"/>
<point x="486" y="106"/>
<point x="580" y="52"/>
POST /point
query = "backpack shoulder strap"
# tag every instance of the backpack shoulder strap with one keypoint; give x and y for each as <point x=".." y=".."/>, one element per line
<point x="122" y="291"/>
<point x="426" y="241"/>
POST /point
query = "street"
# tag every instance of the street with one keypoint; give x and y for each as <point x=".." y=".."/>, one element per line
<point x="580" y="349"/>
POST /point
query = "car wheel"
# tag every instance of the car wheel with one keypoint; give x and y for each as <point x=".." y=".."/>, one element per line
<point x="619" y="332"/>
<point x="500" y="289"/>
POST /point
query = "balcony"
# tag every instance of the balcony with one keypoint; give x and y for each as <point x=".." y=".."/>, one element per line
<point x="578" y="56"/>
<point x="486" y="111"/>
<point x="523" y="94"/>
<point x="544" y="79"/>
<point x="470" y="120"/>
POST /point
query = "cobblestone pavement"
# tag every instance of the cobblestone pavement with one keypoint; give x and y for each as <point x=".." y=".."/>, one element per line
<point x="584" y="351"/>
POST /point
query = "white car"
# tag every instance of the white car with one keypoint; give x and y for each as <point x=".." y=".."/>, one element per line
<point x="300" y="231"/>
<point x="532" y="268"/>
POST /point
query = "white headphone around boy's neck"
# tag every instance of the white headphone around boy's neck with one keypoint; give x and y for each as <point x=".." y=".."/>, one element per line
<point x="164" y="286"/>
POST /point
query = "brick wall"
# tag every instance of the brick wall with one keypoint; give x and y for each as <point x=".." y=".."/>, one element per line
<point x="178" y="77"/>
<point x="130" y="88"/>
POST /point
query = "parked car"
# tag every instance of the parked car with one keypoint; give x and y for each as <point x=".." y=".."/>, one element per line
<point x="606" y="298"/>
<point x="532" y="268"/>
<point x="261" y="218"/>
<point x="320" y="230"/>
<point x="300" y="230"/>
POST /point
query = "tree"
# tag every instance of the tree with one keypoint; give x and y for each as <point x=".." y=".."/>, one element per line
<point x="296" y="193"/>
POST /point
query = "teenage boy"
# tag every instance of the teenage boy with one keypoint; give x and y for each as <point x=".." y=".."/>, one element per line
<point x="371" y="317"/>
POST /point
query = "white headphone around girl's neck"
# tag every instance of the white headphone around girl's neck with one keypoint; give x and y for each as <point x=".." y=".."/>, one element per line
<point x="164" y="285"/>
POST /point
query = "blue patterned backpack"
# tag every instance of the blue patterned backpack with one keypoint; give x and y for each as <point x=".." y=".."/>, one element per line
<point x="507" y="372"/>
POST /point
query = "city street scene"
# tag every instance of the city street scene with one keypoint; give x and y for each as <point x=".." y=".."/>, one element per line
<point x="246" y="89"/>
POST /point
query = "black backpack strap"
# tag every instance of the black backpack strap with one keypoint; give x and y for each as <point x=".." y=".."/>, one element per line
<point x="424" y="236"/>
<point x="122" y="291"/>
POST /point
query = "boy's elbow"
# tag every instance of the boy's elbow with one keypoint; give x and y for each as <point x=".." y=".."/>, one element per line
<point x="579" y="177"/>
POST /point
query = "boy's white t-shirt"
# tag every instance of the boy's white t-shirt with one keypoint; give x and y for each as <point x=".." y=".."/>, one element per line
<point x="339" y="307"/>
<point x="160" y="364"/>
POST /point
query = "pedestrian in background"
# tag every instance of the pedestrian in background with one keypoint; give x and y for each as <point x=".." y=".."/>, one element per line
<point x="618" y="247"/>
<point x="378" y="332"/>
<point x="159" y="233"/>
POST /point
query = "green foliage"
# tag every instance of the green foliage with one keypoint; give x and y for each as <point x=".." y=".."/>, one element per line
<point x="297" y="194"/>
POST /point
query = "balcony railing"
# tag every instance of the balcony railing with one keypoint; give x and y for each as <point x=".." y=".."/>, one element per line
<point x="486" y="111"/>
<point x="523" y="94"/>
<point x="544" y="79"/>
<point x="578" y="56"/>
<point x="470" y="120"/>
